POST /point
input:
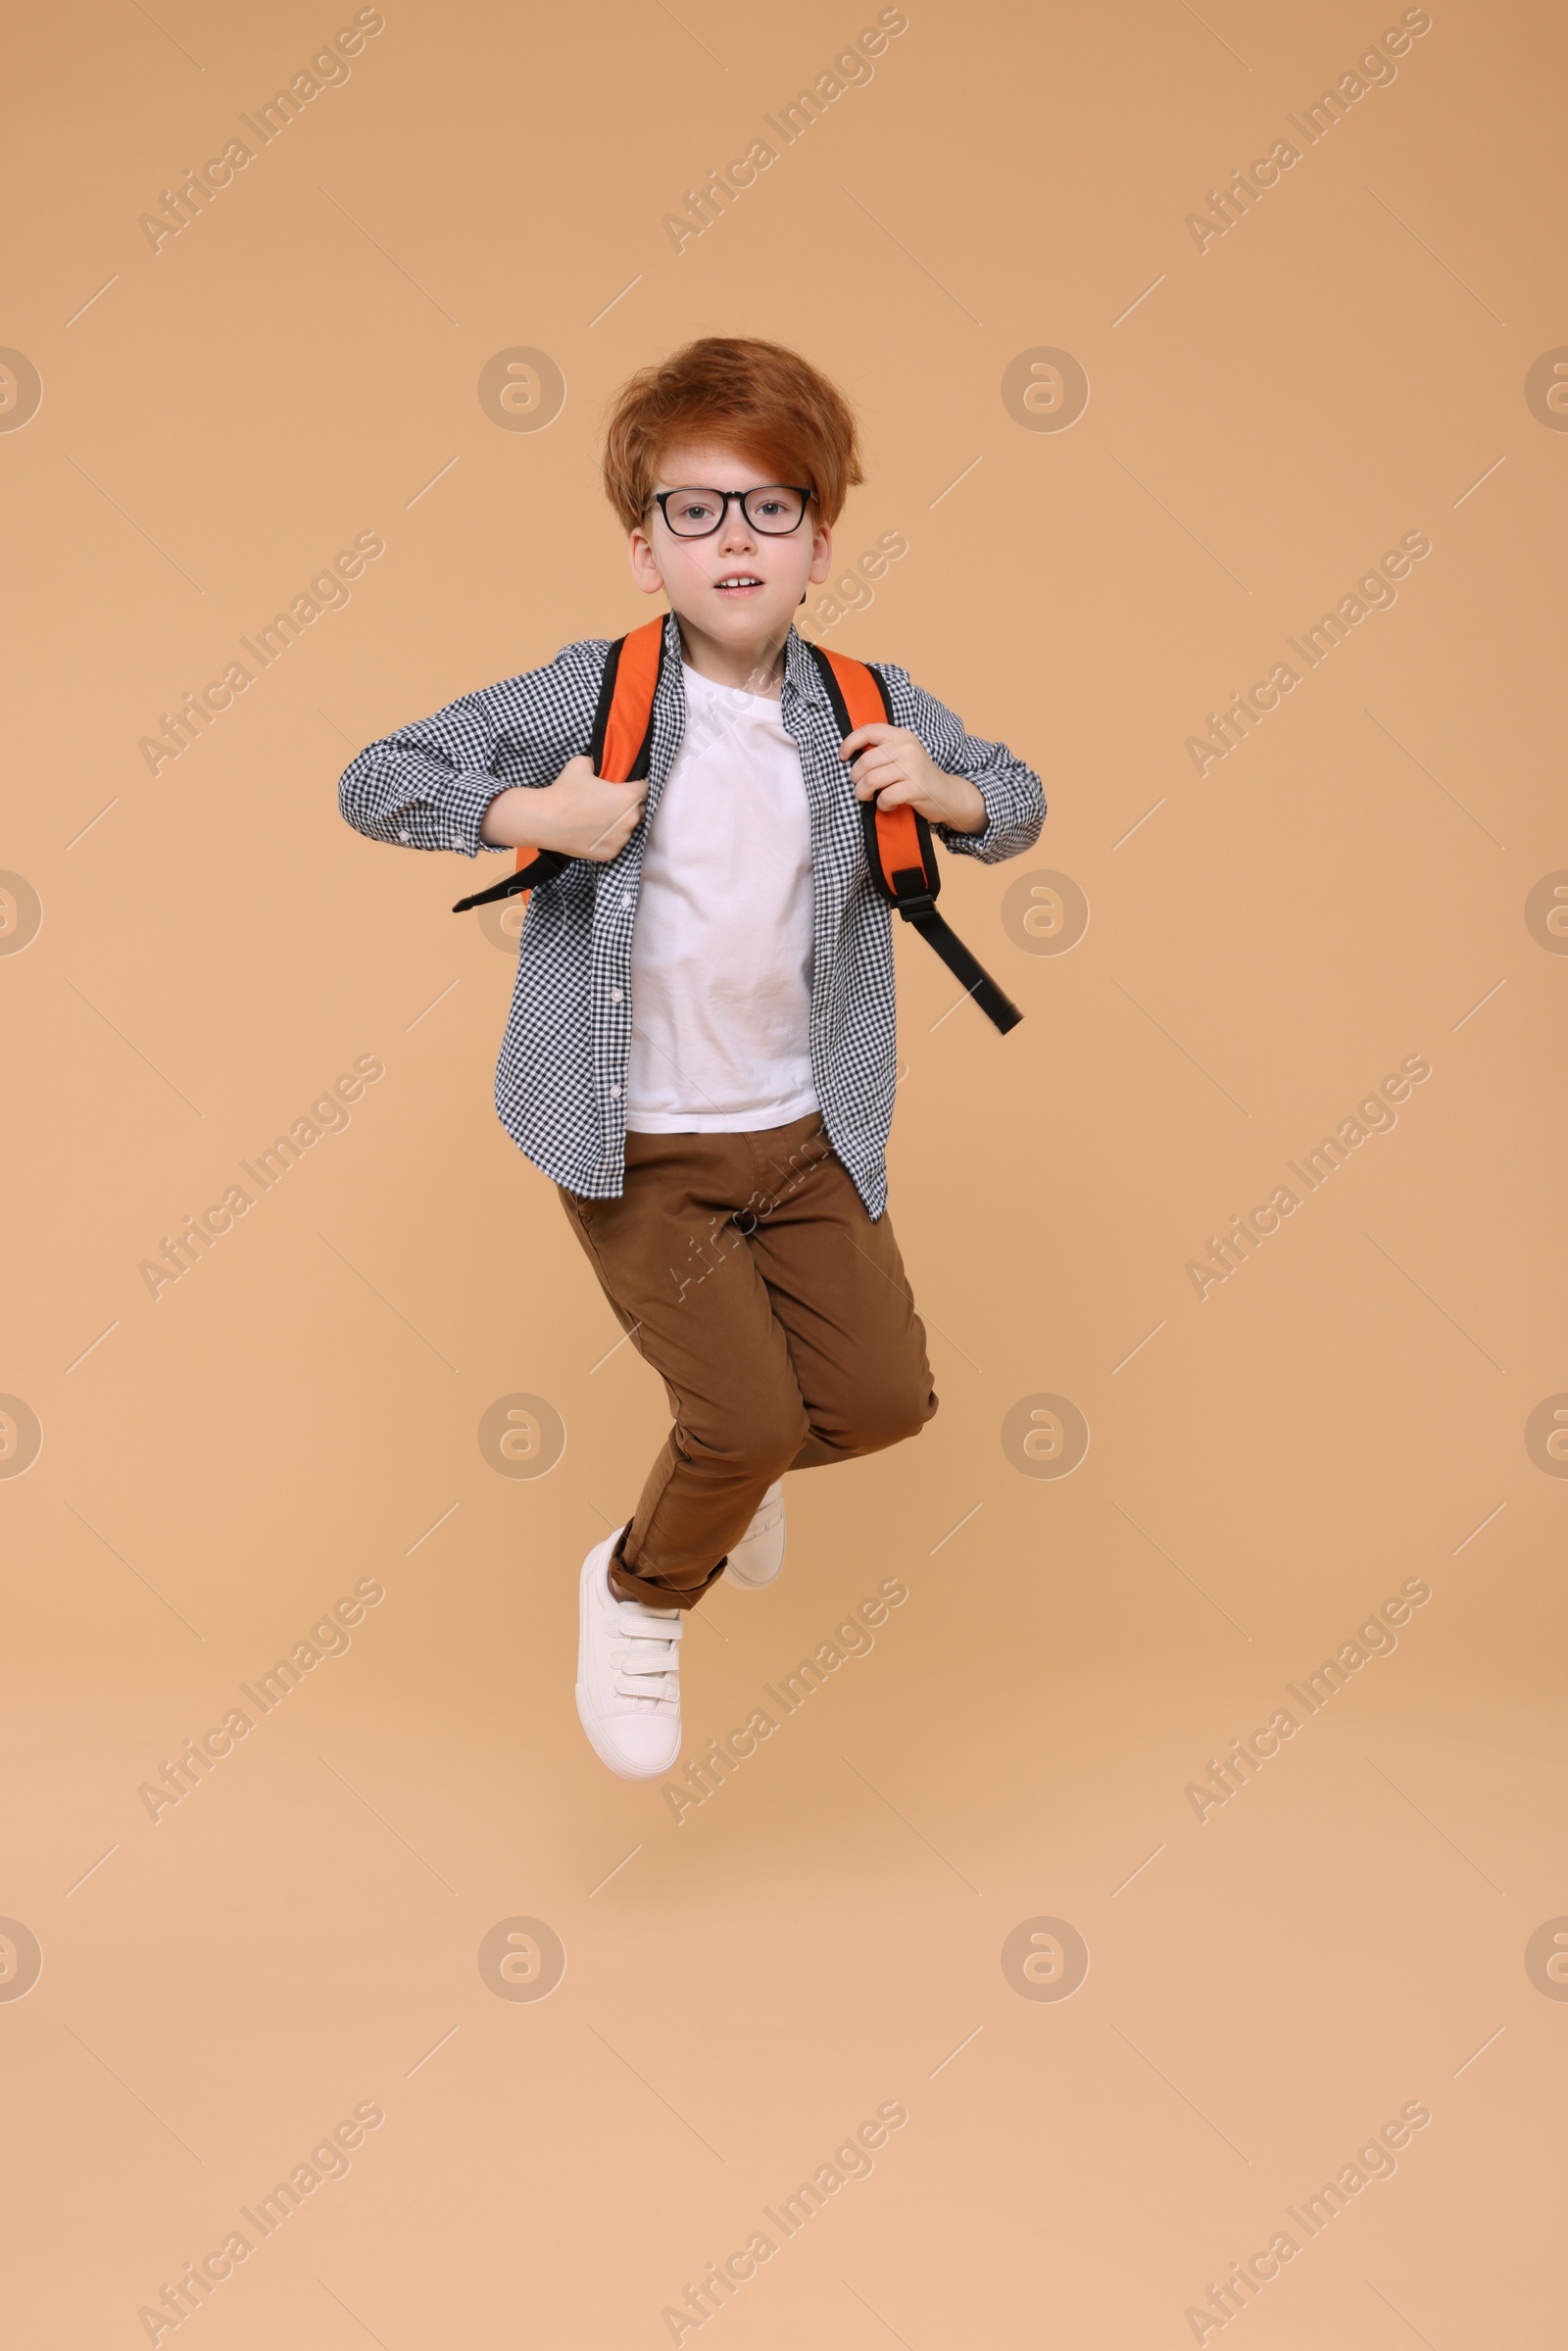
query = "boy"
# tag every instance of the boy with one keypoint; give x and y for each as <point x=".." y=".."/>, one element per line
<point x="701" y="1051"/>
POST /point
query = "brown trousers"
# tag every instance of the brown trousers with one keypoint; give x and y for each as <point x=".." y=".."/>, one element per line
<point x="745" y="1269"/>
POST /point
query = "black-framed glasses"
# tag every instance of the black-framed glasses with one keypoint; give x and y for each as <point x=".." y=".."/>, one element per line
<point x="775" y="508"/>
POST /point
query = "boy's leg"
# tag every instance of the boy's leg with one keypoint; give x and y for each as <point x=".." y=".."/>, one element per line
<point x="838" y="1290"/>
<point x="683" y="1284"/>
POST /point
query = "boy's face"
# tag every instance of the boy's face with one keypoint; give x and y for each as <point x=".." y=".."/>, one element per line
<point x="738" y="586"/>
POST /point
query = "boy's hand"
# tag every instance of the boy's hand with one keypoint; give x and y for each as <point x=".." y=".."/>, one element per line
<point x="896" y="770"/>
<point x="579" y="815"/>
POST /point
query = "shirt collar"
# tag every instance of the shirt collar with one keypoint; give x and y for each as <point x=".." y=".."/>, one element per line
<point x="799" y="670"/>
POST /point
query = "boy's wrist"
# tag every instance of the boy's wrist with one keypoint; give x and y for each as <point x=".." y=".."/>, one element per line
<point x="516" y="818"/>
<point x="971" y="814"/>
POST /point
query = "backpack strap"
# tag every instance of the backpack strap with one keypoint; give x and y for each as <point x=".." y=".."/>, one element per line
<point x="619" y="747"/>
<point x="899" y="848"/>
<point x="623" y="723"/>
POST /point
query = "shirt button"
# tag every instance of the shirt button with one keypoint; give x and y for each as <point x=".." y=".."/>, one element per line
<point x="625" y="899"/>
<point x="403" y="836"/>
<point x="614" y="1093"/>
<point x="615" y="996"/>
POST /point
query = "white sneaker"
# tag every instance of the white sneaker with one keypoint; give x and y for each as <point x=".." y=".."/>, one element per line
<point x="759" y="1554"/>
<point x="628" y="1674"/>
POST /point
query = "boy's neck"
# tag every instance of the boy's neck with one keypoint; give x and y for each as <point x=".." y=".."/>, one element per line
<point x="754" y="669"/>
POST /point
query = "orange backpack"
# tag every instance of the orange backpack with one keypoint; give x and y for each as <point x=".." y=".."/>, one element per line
<point x="899" y="847"/>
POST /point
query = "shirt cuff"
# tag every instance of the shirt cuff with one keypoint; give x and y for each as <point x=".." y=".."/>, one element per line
<point x="453" y="823"/>
<point x="969" y="844"/>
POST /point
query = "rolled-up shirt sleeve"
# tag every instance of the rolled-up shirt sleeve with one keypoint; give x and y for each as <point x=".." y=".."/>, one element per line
<point x="428" y="784"/>
<point x="1014" y="794"/>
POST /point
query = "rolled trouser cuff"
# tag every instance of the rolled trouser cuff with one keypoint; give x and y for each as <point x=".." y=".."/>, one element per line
<point x="627" y="1584"/>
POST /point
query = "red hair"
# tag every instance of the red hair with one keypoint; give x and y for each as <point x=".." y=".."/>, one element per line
<point x="766" y="404"/>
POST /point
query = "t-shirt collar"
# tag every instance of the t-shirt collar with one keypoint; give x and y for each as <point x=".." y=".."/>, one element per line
<point x="801" y="679"/>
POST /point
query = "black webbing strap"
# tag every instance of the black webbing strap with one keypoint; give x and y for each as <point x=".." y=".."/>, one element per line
<point x="542" y="869"/>
<point x="975" y="979"/>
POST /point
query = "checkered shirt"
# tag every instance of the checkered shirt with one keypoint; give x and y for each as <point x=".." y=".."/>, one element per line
<point x="562" y="1077"/>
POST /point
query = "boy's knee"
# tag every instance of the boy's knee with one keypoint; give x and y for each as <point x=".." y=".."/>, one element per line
<point x="763" y="1439"/>
<point x="891" y="1415"/>
<point x="769" y="1447"/>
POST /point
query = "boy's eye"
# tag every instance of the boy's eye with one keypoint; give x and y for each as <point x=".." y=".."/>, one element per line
<point x="694" y="512"/>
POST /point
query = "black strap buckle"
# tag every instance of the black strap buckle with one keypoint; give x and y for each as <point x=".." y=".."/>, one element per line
<point x="912" y="893"/>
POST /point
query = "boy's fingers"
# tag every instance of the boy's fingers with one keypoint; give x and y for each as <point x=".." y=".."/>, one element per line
<point x="876" y="731"/>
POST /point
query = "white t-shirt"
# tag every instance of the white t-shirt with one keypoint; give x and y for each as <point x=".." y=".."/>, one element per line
<point x="721" y="947"/>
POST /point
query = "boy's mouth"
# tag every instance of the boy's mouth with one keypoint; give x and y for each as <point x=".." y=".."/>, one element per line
<point x="737" y="583"/>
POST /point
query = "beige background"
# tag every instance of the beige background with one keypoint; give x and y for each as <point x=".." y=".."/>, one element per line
<point x="301" y="1411"/>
